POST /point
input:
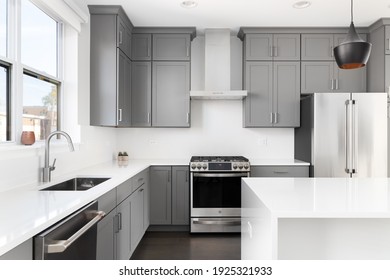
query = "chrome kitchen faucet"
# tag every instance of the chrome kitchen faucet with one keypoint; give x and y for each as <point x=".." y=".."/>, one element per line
<point x="46" y="170"/>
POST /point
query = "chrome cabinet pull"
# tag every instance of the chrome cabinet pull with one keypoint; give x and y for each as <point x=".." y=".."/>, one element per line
<point x="120" y="115"/>
<point x="337" y="83"/>
<point x="271" y="116"/>
<point x="276" y="120"/>
<point x="148" y="117"/>
<point x="388" y="44"/>
<point x="331" y="51"/>
<point x="276" y="51"/>
<point x="332" y="84"/>
<point x="188" y="118"/>
<point x="59" y="246"/>
<point x="188" y="51"/>
<point x="120" y="38"/>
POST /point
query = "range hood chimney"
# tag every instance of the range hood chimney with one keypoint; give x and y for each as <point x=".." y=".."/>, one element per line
<point x="217" y="68"/>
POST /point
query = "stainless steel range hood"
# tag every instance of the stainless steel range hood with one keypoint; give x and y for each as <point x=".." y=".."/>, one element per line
<point x="217" y="68"/>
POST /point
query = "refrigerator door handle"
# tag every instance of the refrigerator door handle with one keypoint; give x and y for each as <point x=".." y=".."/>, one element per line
<point x="347" y="137"/>
<point x="354" y="137"/>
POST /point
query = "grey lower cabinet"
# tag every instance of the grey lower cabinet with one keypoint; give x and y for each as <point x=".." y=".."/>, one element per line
<point x="110" y="69"/>
<point x="141" y="94"/>
<point x="120" y="231"/>
<point x="169" y="195"/>
<point x="279" y="171"/>
<point x="273" y="94"/>
<point x="171" y="94"/>
<point x="326" y="76"/>
<point x="23" y="251"/>
<point x="272" y="46"/>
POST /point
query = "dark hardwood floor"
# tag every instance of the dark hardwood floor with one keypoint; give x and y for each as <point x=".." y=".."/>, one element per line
<point x="186" y="246"/>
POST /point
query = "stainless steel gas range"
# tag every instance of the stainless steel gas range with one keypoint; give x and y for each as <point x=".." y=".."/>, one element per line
<point x="215" y="193"/>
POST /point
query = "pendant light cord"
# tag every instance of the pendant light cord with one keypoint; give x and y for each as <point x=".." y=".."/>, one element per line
<point x="351" y="10"/>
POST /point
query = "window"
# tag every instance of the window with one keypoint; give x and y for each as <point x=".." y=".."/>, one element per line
<point x="38" y="60"/>
<point x="39" y="39"/>
<point x="4" y="104"/>
<point x="39" y="105"/>
<point x="3" y="27"/>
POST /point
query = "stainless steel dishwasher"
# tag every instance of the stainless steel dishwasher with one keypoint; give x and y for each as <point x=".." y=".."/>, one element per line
<point x="73" y="238"/>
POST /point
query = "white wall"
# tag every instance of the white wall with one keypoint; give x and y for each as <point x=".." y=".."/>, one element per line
<point x="216" y="125"/>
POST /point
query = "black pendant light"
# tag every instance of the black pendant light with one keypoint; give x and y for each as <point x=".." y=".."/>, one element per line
<point x="353" y="52"/>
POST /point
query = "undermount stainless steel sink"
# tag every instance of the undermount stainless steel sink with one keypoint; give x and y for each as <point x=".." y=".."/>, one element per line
<point x="76" y="184"/>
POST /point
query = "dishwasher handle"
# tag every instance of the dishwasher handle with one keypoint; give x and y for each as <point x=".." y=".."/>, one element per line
<point x="59" y="246"/>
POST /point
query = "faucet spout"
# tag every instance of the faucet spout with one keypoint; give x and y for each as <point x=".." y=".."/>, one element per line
<point x="47" y="168"/>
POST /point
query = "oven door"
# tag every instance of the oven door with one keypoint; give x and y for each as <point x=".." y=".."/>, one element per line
<point x="216" y="194"/>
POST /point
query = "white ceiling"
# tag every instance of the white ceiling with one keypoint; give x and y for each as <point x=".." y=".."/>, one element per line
<point x="235" y="13"/>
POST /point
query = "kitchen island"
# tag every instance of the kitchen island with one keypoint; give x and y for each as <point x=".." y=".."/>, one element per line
<point x="315" y="218"/>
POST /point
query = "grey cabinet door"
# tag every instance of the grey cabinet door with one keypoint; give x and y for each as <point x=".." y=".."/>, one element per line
<point x="123" y="37"/>
<point x="124" y="90"/>
<point x="286" y="94"/>
<point x="171" y="94"/>
<point x="352" y="80"/>
<point x="147" y="201"/>
<point x="286" y="47"/>
<point x="171" y="47"/>
<point x="141" y="93"/>
<point x="105" y="238"/>
<point x="160" y="195"/>
<point x="317" y="47"/>
<point x="137" y="217"/>
<point x="258" y="46"/>
<point x="317" y="76"/>
<point x="122" y="238"/>
<point x="180" y="195"/>
<point x="258" y="103"/>
<point x="23" y="251"/>
<point x="376" y="64"/>
<point x="141" y="47"/>
<point x="103" y="82"/>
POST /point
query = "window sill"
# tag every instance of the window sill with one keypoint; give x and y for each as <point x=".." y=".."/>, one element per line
<point x="13" y="150"/>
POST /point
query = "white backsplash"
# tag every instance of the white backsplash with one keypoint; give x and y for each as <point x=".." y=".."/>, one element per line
<point x="216" y="129"/>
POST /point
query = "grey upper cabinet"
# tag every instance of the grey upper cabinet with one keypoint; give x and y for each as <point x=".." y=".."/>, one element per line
<point x="160" y="195"/>
<point x="320" y="46"/>
<point x="141" y="47"/>
<point x="180" y="195"/>
<point x="171" y="94"/>
<point x="141" y="94"/>
<point x="317" y="47"/>
<point x="110" y="66"/>
<point x="171" y="47"/>
<point x="272" y="47"/>
<point x="273" y="94"/>
<point x="123" y="36"/>
<point x="325" y="76"/>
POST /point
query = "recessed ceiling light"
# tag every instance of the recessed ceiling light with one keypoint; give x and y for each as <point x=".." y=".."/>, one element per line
<point x="301" y="4"/>
<point x="189" y="4"/>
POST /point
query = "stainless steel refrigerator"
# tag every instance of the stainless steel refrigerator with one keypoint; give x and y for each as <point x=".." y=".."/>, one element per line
<point x="343" y="134"/>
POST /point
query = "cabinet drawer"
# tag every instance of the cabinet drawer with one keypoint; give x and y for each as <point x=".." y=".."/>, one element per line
<point x="107" y="201"/>
<point x="139" y="179"/>
<point x="279" y="171"/>
<point x="123" y="191"/>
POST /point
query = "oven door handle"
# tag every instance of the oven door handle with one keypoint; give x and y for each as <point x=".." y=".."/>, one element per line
<point x="220" y="174"/>
<point x="233" y="222"/>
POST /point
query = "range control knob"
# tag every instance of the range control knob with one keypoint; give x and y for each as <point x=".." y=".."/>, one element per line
<point x="246" y="165"/>
<point x="204" y="166"/>
<point x="235" y="166"/>
<point x="199" y="166"/>
<point x="193" y="166"/>
<point x="240" y="166"/>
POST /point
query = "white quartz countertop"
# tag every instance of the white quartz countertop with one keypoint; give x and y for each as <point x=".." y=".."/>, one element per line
<point x="323" y="197"/>
<point x="26" y="211"/>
